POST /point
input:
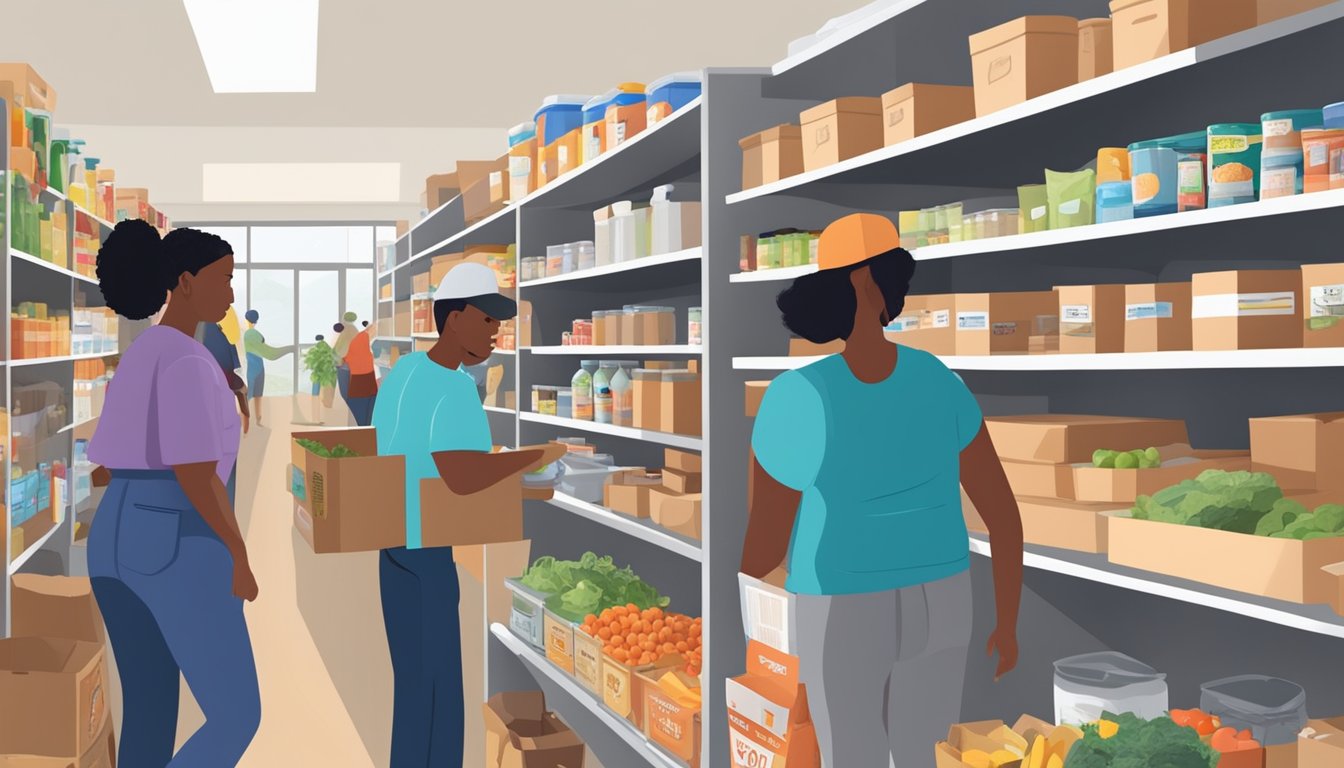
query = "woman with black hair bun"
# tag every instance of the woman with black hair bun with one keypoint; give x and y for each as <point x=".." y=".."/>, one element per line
<point x="859" y="461"/>
<point x="167" y="562"/>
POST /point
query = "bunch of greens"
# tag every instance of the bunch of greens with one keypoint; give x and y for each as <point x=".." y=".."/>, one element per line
<point x="1137" y="459"/>
<point x="1139" y="743"/>
<point x="591" y="584"/>
<point x="320" y="362"/>
<point x="335" y="452"/>
<point x="1240" y="502"/>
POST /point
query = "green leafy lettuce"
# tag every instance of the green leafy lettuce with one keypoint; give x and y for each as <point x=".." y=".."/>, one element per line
<point x="1240" y="502"/>
<point x="1139" y="743"/>
<point x="591" y="584"/>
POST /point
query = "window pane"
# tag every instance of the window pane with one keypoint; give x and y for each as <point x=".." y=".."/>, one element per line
<point x="386" y="235"/>
<point x="359" y="294"/>
<point x="312" y="245"/>
<point x="240" y="305"/>
<point x="273" y="297"/>
<point x="237" y="237"/>
<point x="319" y="305"/>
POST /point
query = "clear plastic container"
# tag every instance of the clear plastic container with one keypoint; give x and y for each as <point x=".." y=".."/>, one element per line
<point x="585" y="255"/>
<point x="564" y="402"/>
<point x="544" y="400"/>
<point x="603" y="401"/>
<point x="555" y="260"/>
<point x="1115" y="201"/>
<point x="1272" y="709"/>
<point x="1088" y="685"/>
<point x="581" y="389"/>
<point x="623" y="399"/>
<point x="693" y="326"/>
<point x="586" y="478"/>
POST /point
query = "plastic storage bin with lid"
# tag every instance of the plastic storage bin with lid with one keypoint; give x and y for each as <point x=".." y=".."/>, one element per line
<point x="670" y="93"/>
<point x="1155" y="171"/>
<point x="1234" y="163"/>
<point x="1281" y="170"/>
<point x="1115" y="201"/>
<point x="1088" y="685"/>
<point x="596" y="138"/>
<point x="627" y="115"/>
<point x="522" y="160"/>
<point x="1274" y="710"/>
<point x="1334" y="115"/>
<point x="559" y="129"/>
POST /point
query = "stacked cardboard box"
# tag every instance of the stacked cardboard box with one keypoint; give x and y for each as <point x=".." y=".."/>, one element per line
<point x="53" y="677"/>
<point x="672" y="498"/>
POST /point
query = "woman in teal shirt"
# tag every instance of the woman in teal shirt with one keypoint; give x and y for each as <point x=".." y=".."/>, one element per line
<point x="859" y="463"/>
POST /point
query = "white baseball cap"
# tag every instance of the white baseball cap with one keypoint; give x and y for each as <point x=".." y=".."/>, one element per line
<point x="477" y="285"/>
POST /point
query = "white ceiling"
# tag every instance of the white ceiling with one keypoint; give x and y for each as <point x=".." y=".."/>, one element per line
<point x="395" y="63"/>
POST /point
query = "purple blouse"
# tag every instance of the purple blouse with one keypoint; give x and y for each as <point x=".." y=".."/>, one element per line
<point x="168" y="404"/>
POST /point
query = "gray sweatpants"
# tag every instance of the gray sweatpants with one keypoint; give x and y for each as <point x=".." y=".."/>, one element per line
<point x="884" y="671"/>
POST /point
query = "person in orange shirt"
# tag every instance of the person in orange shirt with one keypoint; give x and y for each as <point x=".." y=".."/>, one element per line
<point x="363" y="382"/>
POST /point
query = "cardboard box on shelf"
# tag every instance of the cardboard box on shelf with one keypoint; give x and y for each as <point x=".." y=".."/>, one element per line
<point x="494" y="515"/>
<point x="1247" y="309"/>
<point x="1071" y="525"/>
<point x="915" y="109"/>
<point x="440" y="188"/>
<point x="673" y="722"/>
<point x="1095" y="50"/>
<point x="684" y="461"/>
<point x="1046" y="481"/>
<point x="29" y="89"/>
<point x="1157" y="317"/>
<point x="769" y="611"/>
<point x="1304" y="451"/>
<point x="1068" y="439"/>
<point x="840" y="129"/>
<point x="768" y="718"/>
<point x="353" y="504"/>
<point x="804" y="348"/>
<point x="23" y="161"/>
<point x="524" y="324"/>
<point x="403" y="227"/>
<point x="755" y="396"/>
<point x="1091" y="319"/>
<point x="623" y="687"/>
<point x="628" y="492"/>
<point x="588" y="661"/>
<point x="420" y="283"/>
<point x="771" y="155"/>
<point x="477" y="203"/>
<point x="1126" y="485"/>
<point x="681" y="401"/>
<point x="682" y="483"/>
<point x="1273" y="10"/>
<point x="55" y="607"/>
<point x="559" y="637"/>
<point x="1323" y="305"/>
<point x="53" y="696"/>
<point x="1323" y="746"/>
<point x="678" y="513"/>
<point x="975" y="323"/>
<point x="519" y="733"/>
<point x="1283" y="569"/>
<point x="1147" y="29"/>
<point x="1023" y="59"/>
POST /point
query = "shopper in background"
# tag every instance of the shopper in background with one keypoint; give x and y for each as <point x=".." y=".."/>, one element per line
<point x="225" y="351"/>
<point x="346" y="331"/>
<point x="257" y="350"/>
<point x="363" y="387"/>
<point x="859" y="459"/>
<point x="430" y="413"/>
<point x="167" y="562"/>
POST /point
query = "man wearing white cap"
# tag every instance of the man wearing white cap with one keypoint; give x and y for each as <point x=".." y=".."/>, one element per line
<point x="429" y="411"/>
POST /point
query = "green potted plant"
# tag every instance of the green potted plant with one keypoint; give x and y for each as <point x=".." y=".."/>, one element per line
<point x="320" y="361"/>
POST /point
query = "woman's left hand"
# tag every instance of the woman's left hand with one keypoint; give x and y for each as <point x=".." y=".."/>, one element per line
<point x="101" y="477"/>
<point x="1004" y="640"/>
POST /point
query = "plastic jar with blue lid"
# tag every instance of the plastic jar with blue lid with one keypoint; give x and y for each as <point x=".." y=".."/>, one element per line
<point x="1155" y="166"/>
<point x="1281" y="159"/>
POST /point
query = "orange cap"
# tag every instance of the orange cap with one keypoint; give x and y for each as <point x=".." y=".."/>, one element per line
<point x="856" y="238"/>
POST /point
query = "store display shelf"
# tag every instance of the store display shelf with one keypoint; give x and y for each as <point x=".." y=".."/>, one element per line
<point x="639" y="529"/>
<point x="1318" y="619"/>
<point x="425" y="336"/>
<point x="77" y="425"/>
<point x="1140" y="361"/>
<point x="1100" y="94"/>
<point x="54" y="194"/>
<point x="385" y="301"/>
<point x="104" y="223"/>
<point x="498" y="409"/>
<point x="497" y="227"/>
<point x="21" y="256"/>
<point x="393" y="339"/>
<point x="683" y="442"/>
<point x="577" y="696"/>
<point x="648" y="262"/>
<point x="505" y="352"/>
<point x="62" y="359"/>
<point x="17" y="564"/>
<point x="636" y="349"/>
<point x="773" y="275"/>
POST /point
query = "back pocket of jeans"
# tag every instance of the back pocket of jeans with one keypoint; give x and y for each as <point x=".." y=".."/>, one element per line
<point x="147" y="541"/>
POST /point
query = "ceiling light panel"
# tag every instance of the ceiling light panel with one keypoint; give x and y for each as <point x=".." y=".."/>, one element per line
<point x="301" y="182"/>
<point x="257" y="46"/>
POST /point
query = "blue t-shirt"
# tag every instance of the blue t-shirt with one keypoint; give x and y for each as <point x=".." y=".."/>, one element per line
<point x="879" y="469"/>
<point x="422" y="409"/>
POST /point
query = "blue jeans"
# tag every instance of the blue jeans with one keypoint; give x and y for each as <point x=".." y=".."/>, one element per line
<point x="164" y="583"/>
<point x="420" y="598"/>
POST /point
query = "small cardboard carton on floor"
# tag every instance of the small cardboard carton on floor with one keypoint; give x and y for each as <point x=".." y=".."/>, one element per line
<point x="103" y="754"/>
<point x="1068" y="439"/>
<point x="1305" y="451"/>
<point x="53" y="696"/>
<point x="520" y="733"/>
<point x="1247" y="309"/>
<point x="55" y="607"/>
<point x="1179" y="464"/>
<point x="350" y="504"/>
<point x="768" y="718"/>
<point x="1283" y="569"/>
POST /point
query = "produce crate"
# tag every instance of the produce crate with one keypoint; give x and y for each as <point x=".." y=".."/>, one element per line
<point x="559" y="634"/>
<point x="1283" y="569"/>
<point x="623" y="687"/>
<point x="1127" y="485"/>
<point x="527" y="616"/>
<point x="588" y="661"/>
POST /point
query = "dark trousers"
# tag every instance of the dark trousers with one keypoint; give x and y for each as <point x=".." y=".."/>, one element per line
<point x="164" y="584"/>
<point x="362" y="409"/>
<point x="343" y="381"/>
<point x="420" y="599"/>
